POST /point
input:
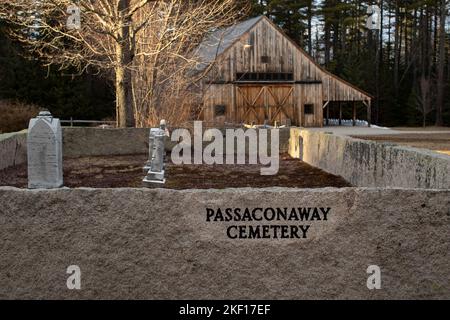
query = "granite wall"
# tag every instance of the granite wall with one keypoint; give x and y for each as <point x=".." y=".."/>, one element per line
<point x="135" y="243"/>
<point x="13" y="149"/>
<point x="83" y="142"/>
<point x="371" y="164"/>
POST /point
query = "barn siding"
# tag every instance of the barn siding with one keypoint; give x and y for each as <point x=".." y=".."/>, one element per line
<point x="219" y="94"/>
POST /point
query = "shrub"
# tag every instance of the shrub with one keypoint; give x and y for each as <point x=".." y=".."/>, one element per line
<point x="14" y="115"/>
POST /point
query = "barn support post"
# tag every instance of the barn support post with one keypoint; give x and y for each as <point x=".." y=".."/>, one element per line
<point x="328" y="114"/>
<point x="354" y="113"/>
<point x="368" y="104"/>
<point x="326" y="105"/>
<point x="369" y="112"/>
<point x="233" y="104"/>
<point x="340" y="113"/>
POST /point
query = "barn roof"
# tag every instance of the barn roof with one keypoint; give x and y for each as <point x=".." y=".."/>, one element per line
<point x="220" y="40"/>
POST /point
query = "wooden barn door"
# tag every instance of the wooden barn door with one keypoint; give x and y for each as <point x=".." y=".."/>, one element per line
<point x="251" y="104"/>
<point x="281" y="104"/>
<point x="257" y="103"/>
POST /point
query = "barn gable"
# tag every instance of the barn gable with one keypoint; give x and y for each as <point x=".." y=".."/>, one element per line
<point x="258" y="74"/>
<point x="218" y="41"/>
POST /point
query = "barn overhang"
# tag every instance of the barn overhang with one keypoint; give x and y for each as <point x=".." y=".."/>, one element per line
<point x="266" y="82"/>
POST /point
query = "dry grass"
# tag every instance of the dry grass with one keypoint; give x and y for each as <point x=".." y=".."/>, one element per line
<point x="15" y="115"/>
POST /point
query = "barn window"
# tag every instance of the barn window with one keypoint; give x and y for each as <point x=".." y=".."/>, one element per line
<point x="265" y="59"/>
<point x="264" y="76"/>
<point x="219" y="110"/>
<point x="309" y="109"/>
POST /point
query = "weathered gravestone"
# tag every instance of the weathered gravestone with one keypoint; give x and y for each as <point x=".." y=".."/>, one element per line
<point x="155" y="165"/>
<point x="44" y="148"/>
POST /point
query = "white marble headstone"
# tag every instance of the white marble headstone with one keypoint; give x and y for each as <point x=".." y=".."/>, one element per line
<point x="155" y="165"/>
<point x="44" y="148"/>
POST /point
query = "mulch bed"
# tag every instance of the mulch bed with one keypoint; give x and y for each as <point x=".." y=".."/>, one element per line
<point x="127" y="171"/>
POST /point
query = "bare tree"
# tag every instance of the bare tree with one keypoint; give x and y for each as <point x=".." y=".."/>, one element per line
<point x="164" y="84"/>
<point x="441" y="85"/>
<point x="119" y="37"/>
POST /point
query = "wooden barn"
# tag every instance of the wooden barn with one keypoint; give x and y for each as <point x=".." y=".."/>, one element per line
<point x="255" y="74"/>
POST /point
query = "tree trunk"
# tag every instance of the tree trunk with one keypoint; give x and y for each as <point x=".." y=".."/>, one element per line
<point x="310" y="17"/>
<point x="397" y="50"/>
<point x="380" y="63"/>
<point x="327" y="44"/>
<point x="405" y="39"/>
<point x="441" y="67"/>
<point x="435" y="20"/>
<point x="389" y="42"/>
<point x="124" y="98"/>
<point x="124" y="58"/>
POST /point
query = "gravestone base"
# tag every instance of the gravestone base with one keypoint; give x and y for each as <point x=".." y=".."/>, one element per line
<point x="43" y="185"/>
<point x="155" y="177"/>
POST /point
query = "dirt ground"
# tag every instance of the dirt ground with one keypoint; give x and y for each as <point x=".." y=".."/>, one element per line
<point x="439" y="142"/>
<point x="126" y="171"/>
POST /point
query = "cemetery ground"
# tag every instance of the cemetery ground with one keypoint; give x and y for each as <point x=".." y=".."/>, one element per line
<point x="127" y="171"/>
